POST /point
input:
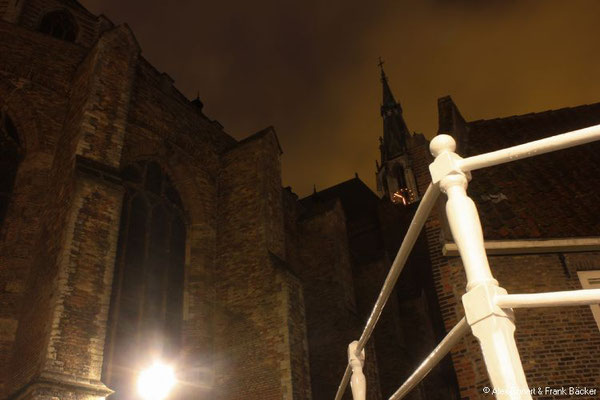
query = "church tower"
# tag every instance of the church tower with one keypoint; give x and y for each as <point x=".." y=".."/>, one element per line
<point x="395" y="178"/>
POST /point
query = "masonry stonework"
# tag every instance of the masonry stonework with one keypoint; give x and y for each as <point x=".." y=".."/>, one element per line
<point x="274" y="287"/>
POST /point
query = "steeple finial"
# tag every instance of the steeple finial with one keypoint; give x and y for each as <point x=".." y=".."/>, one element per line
<point x="380" y="64"/>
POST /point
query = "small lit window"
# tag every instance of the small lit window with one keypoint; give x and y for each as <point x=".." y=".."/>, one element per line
<point x="59" y="24"/>
<point x="591" y="280"/>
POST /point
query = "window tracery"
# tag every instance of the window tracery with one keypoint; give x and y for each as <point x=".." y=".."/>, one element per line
<point x="146" y="317"/>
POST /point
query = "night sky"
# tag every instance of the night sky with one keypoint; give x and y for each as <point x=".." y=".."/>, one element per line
<point x="309" y="67"/>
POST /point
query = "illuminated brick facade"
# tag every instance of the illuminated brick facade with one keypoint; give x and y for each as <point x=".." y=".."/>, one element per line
<point x="274" y="287"/>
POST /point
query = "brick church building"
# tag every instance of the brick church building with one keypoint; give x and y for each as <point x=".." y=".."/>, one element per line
<point x="134" y="228"/>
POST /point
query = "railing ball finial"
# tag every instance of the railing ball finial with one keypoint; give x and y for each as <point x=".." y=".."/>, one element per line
<point x="441" y="144"/>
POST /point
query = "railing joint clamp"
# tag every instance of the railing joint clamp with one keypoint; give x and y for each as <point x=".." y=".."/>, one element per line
<point x="480" y="303"/>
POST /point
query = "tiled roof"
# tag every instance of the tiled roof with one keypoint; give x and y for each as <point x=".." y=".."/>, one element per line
<point x="553" y="195"/>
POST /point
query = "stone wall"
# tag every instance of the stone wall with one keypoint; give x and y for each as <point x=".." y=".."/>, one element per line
<point x="83" y="116"/>
<point x="325" y="267"/>
<point x="29" y="13"/>
<point x="559" y="347"/>
<point x="36" y="100"/>
<point x="259" y="320"/>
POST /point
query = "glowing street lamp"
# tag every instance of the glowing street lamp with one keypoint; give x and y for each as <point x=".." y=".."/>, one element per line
<point x="156" y="382"/>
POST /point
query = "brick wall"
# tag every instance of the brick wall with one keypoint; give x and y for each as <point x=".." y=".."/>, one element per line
<point x="558" y="346"/>
<point x="3" y="6"/>
<point x="121" y="110"/>
<point x="258" y="301"/>
<point x="38" y="104"/>
<point x="394" y="360"/>
<point x="163" y="126"/>
<point x="62" y="325"/>
<point x="324" y="265"/>
<point x="59" y="330"/>
<point x="85" y="266"/>
<point x="29" y="14"/>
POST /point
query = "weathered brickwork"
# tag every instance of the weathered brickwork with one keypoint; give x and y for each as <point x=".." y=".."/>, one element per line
<point x="274" y="289"/>
<point x="325" y="267"/>
<point x="254" y="301"/>
<point x="30" y="13"/>
<point x="37" y="101"/>
<point x="559" y="347"/>
<point x="393" y="358"/>
<point x="101" y="109"/>
<point x="78" y="328"/>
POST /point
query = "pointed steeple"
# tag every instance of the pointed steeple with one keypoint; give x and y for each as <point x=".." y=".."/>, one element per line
<point x="395" y="178"/>
<point x="388" y="97"/>
<point x="395" y="131"/>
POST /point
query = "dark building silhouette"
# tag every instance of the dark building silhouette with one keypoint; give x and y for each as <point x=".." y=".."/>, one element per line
<point x="134" y="228"/>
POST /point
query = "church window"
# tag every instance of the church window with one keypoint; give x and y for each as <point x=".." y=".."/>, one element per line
<point x="399" y="175"/>
<point x="145" y="321"/>
<point x="59" y="24"/>
<point x="10" y="155"/>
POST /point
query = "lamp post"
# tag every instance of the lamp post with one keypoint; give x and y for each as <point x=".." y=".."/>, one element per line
<point x="156" y="382"/>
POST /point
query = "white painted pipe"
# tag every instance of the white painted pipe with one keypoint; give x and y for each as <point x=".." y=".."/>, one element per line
<point x="551" y="299"/>
<point x="451" y="339"/>
<point x="344" y="383"/>
<point x="425" y="206"/>
<point x="496" y="355"/>
<point x="421" y="215"/>
<point x="546" y="145"/>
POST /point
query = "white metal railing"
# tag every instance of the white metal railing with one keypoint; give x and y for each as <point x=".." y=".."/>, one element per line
<point x="488" y="307"/>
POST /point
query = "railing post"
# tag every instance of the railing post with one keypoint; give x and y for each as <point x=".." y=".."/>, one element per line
<point x="492" y="326"/>
<point x="358" y="382"/>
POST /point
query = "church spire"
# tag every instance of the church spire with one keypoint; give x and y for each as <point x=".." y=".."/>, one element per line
<point x="395" y="178"/>
<point x="395" y="131"/>
<point x="388" y="97"/>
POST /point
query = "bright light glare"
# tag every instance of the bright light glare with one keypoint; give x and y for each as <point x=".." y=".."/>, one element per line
<point x="156" y="382"/>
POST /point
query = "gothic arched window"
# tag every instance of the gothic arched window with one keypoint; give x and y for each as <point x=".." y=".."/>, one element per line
<point x="11" y="154"/>
<point x="399" y="175"/>
<point x="59" y="24"/>
<point x="146" y="314"/>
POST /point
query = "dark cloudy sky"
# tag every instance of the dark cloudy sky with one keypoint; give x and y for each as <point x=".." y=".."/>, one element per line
<point x="309" y="67"/>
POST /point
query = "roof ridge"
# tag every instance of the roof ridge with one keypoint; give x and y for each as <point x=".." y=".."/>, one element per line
<point x="518" y="116"/>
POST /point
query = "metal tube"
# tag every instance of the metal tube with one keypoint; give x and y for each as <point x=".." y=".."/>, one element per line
<point x="553" y="143"/>
<point x="550" y="299"/>
<point x="343" y="383"/>
<point x="451" y="339"/>
<point x="421" y="215"/>
<point x="425" y="206"/>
